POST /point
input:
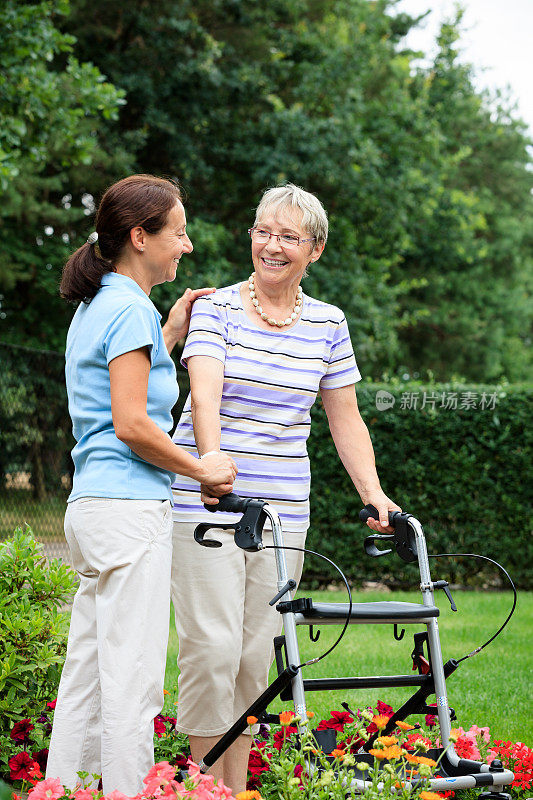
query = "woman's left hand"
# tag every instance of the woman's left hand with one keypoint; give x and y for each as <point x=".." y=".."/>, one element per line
<point x="177" y="324"/>
<point x="384" y="504"/>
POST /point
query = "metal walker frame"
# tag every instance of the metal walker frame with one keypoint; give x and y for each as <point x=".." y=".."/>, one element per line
<point x="410" y="544"/>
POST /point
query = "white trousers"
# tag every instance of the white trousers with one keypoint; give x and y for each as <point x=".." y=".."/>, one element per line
<point x="225" y="625"/>
<point x="112" y="683"/>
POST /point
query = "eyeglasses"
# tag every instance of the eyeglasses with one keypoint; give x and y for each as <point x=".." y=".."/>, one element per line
<point x="261" y="236"/>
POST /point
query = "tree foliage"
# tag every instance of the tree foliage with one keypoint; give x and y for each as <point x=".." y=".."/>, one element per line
<point x="52" y="105"/>
<point x="428" y="191"/>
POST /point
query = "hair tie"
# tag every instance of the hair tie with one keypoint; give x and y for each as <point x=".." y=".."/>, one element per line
<point x="92" y="238"/>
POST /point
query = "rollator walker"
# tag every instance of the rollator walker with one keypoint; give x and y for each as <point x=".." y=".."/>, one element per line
<point x="409" y="543"/>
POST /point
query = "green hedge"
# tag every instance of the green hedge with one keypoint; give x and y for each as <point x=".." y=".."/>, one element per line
<point x="464" y="472"/>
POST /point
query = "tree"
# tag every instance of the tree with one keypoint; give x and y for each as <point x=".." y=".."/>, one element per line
<point x="474" y="247"/>
<point x="52" y="106"/>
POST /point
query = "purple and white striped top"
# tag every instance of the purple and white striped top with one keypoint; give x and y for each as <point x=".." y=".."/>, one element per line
<point x="271" y="380"/>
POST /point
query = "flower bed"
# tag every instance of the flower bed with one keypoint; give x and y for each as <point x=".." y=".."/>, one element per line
<point x="278" y="768"/>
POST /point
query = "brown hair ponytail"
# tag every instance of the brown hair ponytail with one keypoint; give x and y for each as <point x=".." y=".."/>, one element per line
<point x="138" y="201"/>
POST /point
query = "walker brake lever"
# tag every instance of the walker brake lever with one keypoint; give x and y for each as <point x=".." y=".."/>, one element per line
<point x="202" y="528"/>
<point x="370" y="544"/>
<point x="444" y="585"/>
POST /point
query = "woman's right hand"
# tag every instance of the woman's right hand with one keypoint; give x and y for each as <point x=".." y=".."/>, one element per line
<point x="217" y="468"/>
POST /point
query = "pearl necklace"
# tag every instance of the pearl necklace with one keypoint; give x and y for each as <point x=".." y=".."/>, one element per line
<point x="271" y="321"/>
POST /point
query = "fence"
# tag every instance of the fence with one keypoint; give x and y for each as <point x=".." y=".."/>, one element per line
<point x="35" y="443"/>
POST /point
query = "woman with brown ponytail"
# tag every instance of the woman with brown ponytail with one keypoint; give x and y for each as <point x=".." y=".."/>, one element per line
<point x="121" y="386"/>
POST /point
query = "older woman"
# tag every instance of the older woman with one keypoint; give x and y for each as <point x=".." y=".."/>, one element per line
<point x="257" y="353"/>
<point x="121" y="385"/>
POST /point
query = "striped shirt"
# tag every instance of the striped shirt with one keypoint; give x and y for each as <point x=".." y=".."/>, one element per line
<point x="271" y="380"/>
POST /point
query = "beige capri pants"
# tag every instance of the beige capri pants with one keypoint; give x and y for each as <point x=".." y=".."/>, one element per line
<point x="225" y="625"/>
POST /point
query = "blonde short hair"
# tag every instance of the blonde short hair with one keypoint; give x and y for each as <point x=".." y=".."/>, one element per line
<point x="289" y="196"/>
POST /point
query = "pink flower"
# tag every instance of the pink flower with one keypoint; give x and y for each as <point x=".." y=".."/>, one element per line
<point x="83" y="794"/>
<point x="116" y="795"/>
<point x="483" y="732"/>
<point x="160" y="774"/>
<point x="49" y="789"/>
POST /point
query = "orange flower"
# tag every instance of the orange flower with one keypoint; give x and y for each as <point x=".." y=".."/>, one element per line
<point x="248" y="795"/>
<point x="379" y="754"/>
<point x="310" y="714"/>
<point x="410" y="758"/>
<point x="165" y="691"/>
<point x="286" y="717"/>
<point x="430" y="796"/>
<point x="393" y="752"/>
<point x="251" y="720"/>
<point x="404" y="726"/>
<point x="380" y="721"/>
<point x="399" y="785"/>
<point x="338" y="754"/>
<point x="386" y="741"/>
<point x="429" y="762"/>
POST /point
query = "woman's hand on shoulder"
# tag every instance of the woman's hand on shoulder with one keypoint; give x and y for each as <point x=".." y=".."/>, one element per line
<point x="384" y="504"/>
<point x="177" y="324"/>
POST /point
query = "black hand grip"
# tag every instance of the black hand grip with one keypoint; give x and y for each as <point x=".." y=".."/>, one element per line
<point x="229" y="502"/>
<point x="371" y="511"/>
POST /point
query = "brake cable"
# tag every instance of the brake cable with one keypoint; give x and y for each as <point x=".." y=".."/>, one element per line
<point x="350" y="604"/>
<point x="500" y="629"/>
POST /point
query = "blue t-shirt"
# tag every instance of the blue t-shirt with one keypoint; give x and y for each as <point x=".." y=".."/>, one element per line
<point x="119" y="319"/>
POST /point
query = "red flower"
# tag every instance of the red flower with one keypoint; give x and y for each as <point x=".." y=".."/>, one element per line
<point x="431" y="719"/>
<point x="384" y="710"/>
<point x="41" y="757"/>
<point x="160" y="728"/>
<point x="181" y="761"/>
<point x="256" y="762"/>
<point x="21" y="767"/>
<point x="284" y="733"/>
<point x="51" y="704"/>
<point x="337" y="721"/>
<point x="21" y="730"/>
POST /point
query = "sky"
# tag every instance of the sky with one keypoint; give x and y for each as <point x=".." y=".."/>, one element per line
<point x="497" y="38"/>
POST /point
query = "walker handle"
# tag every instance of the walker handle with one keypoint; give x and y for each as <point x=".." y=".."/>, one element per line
<point x="230" y="502"/>
<point x="371" y="511"/>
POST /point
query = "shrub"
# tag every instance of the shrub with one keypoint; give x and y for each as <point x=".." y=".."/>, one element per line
<point x="33" y="632"/>
<point x="463" y="472"/>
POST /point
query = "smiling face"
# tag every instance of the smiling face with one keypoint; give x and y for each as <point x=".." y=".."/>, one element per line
<point x="279" y="264"/>
<point x="163" y="250"/>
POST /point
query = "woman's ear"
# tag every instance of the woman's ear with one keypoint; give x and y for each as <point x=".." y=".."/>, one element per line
<point x="137" y="238"/>
<point x="317" y="251"/>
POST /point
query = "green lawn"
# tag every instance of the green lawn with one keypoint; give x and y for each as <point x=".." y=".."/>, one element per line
<point x="492" y="688"/>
